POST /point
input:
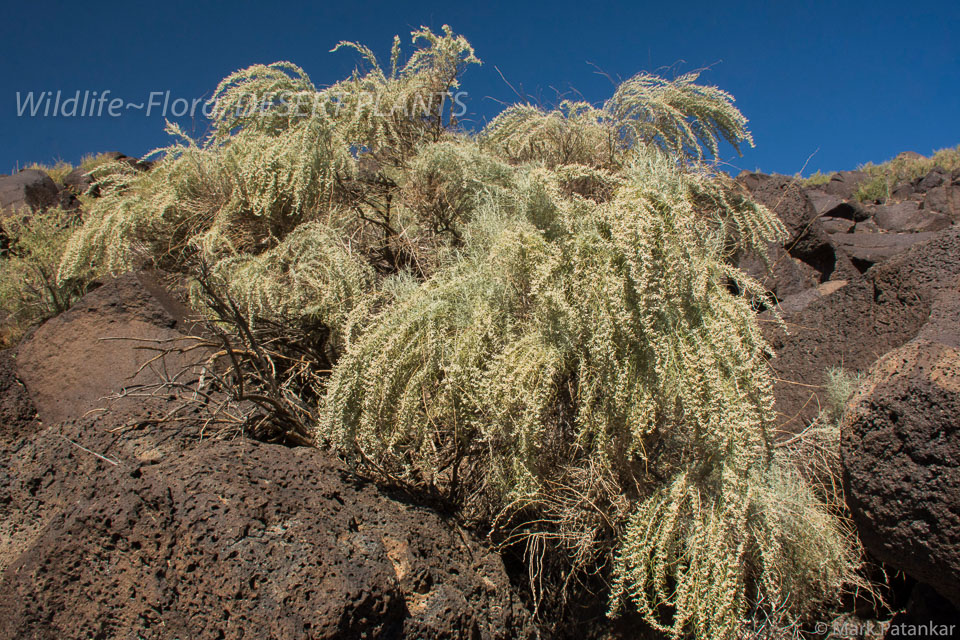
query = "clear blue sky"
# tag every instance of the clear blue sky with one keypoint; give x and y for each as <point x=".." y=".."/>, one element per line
<point x="845" y="82"/>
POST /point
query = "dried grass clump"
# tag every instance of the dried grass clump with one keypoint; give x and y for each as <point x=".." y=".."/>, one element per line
<point x="57" y="171"/>
<point x="905" y="167"/>
<point x="33" y="245"/>
<point x="535" y="325"/>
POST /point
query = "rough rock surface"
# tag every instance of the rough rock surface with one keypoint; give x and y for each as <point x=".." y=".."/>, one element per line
<point x="944" y="199"/>
<point x="800" y="301"/>
<point x="901" y="453"/>
<point x="926" y="607"/>
<point x="822" y="201"/>
<point x="848" y="210"/>
<point x="908" y="216"/>
<point x="75" y="360"/>
<point x="836" y="225"/>
<point x="164" y="538"/>
<point x="806" y="239"/>
<point x="30" y="189"/>
<point x="18" y="416"/>
<point x="78" y="181"/>
<point x="781" y="274"/>
<point x="857" y="324"/>
<point x="867" y="249"/>
<point x="843" y="184"/>
<point x="126" y="524"/>
<point x="936" y="177"/>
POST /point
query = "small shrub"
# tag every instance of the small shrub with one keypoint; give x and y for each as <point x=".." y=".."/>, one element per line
<point x="29" y="289"/>
<point x="57" y="171"/>
<point x="91" y="161"/>
<point x="875" y="189"/>
<point x="839" y="385"/>
<point x="816" y="179"/>
<point x="815" y="451"/>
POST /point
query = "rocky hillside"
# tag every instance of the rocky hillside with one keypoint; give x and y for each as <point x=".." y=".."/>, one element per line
<point x="124" y="514"/>
<point x="873" y="287"/>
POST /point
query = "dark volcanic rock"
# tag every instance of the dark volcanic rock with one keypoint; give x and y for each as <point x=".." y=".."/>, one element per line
<point x="843" y="184"/>
<point x="163" y="538"/>
<point x="829" y="206"/>
<point x="867" y="249"/>
<point x="944" y="199"/>
<point x="78" y="181"/>
<point x="925" y="607"/>
<point x="902" y="191"/>
<point x="908" y="216"/>
<point x="836" y="225"/>
<point x="18" y="416"/>
<point x="127" y="524"/>
<point x="41" y="473"/>
<point x="852" y="327"/>
<point x="822" y="201"/>
<point x="901" y="453"/>
<point x="800" y="301"/>
<point x="936" y="177"/>
<point x="784" y="197"/>
<point x="852" y="210"/>
<point x="806" y="240"/>
<point x="783" y="276"/>
<point x="30" y="190"/>
<point x="74" y="360"/>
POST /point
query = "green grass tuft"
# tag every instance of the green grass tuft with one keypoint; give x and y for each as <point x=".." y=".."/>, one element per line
<point x="816" y="179"/>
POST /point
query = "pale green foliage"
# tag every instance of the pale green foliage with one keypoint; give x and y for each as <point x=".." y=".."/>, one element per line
<point x="561" y="346"/>
<point x="535" y="324"/>
<point x="266" y="170"/>
<point x="29" y="290"/>
<point x="839" y="386"/>
<point x="715" y="541"/>
<point x="243" y="99"/>
<point x="680" y="117"/>
<point x="875" y="189"/>
<point x="240" y="196"/>
<point x="92" y="161"/>
<point x="815" y="179"/>
<point x="312" y="275"/>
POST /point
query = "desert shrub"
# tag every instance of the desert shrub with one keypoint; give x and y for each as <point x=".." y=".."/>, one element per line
<point x="839" y="385"/>
<point x="29" y="288"/>
<point x="874" y="189"/>
<point x="815" y="451"/>
<point x="815" y="179"/>
<point x="681" y="118"/>
<point x="904" y="168"/>
<point x="708" y="547"/>
<point x="57" y="171"/>
<point x="535" y="325"/>
<point x="92" y="161"/>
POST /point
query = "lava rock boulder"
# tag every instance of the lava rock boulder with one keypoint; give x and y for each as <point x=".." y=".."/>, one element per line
<point x="901" y="453"/>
